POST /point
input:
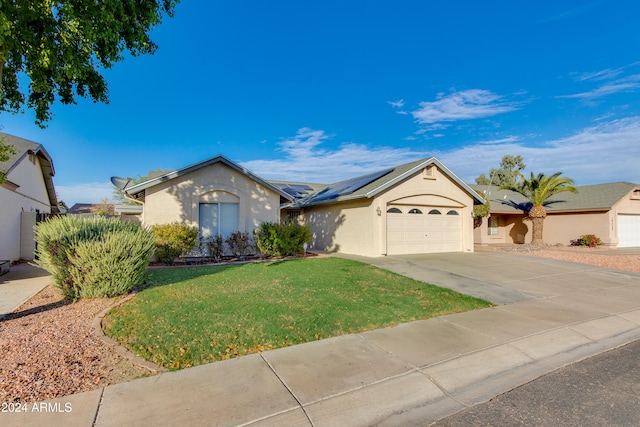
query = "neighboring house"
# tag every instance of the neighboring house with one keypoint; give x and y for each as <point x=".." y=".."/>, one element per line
<point x="610" y="211"/>
<point x="27" y="192"/>
<point x="419" y="207"/>
<point x="123" y="211"/>
<point x="90" y="209"/>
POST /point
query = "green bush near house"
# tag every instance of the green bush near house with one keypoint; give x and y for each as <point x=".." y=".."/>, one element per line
<point x="173" y="240"/>
<point x="278" y="240"/>
<point x="93" y="257"/>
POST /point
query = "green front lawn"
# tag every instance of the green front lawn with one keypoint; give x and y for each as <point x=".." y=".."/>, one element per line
<point x="191" y="316"/>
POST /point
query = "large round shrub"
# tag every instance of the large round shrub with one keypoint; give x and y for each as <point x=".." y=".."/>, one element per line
<point x="93" y="257"/>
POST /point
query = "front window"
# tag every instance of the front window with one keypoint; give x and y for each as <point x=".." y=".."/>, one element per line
<point x="493" y="226"/>
<point x="218" y="219"/>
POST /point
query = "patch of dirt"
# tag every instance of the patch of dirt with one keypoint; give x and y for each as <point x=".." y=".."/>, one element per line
<point x="49" y="350"/>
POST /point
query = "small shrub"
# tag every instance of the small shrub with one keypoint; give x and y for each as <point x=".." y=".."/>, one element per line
<point x="216" y="247"/>
<point x="589" y="240"/>
<point x="239" y="242"/>
<point x="173" y="240"/>
<point x="93" y="257"/>
<point x="274" y="239"/>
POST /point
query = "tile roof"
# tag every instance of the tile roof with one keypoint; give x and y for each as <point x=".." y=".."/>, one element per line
<point x="588" y="197"/>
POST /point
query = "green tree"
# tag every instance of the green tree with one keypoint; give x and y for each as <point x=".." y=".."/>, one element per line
<point x="60" y="45"/>
<point x="6" y="151"/>
<point x="538" y="189"/>
<point x="507" y="174"/>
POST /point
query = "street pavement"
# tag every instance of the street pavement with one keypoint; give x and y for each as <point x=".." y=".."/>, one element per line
<point x="549" y="314"/>
<point x="603" y="390"/>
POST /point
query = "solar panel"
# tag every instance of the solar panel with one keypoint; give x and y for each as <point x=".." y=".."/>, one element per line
<point x="344" y="188"/>
<point x="295" y="190"/>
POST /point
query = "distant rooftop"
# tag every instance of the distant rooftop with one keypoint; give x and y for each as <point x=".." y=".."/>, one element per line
<point x="588" y="197"/>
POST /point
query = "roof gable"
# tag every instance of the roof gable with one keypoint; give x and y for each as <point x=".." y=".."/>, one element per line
<point x="137" y="189"/>
<point x="370" y="185"/>
<point x="23" y="148"/>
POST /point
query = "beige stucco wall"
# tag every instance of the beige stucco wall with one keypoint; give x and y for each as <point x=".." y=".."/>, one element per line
<point x="512" y="228"/>
<point x="559" y="228"/>
<point x="179" y="198"/>
<point x="343" y="227"/>
<point x="356" y="227"/>
<point x="562" y="228"/>
<point x="30" y="196"/>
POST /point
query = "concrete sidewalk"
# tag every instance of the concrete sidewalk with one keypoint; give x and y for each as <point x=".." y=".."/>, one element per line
<point x="21" y="283"/>
<point x="412" y="374"/>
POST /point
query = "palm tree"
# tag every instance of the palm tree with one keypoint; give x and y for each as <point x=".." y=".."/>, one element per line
<point x="538" y="190"/>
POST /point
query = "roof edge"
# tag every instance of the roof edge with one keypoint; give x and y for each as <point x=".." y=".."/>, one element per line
<point x="429" y="161"/>
<point x="187" y="169"/>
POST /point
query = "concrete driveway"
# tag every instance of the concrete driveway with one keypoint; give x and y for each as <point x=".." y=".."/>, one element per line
<point x="501" y="277"/>
<point x="22" y="282"/>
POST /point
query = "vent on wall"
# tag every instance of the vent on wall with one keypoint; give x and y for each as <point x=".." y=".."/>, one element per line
<point x="636" y="194"/>
<point x="429" y="172"/>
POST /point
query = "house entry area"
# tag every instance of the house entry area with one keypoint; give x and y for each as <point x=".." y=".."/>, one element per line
<point x="423" y="229"/>
<point x="218" y="219"/>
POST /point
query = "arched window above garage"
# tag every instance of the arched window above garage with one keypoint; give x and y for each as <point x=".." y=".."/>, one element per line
<point x="394" y="210"/>
<point x="452" y="212"/>
<point x="415" y="211"/>
<point x="435" y="212"/>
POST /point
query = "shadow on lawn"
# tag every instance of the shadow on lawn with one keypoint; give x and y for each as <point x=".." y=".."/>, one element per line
<point x="168" y="275"/>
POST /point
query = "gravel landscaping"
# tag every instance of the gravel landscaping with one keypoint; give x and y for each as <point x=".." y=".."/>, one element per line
<point x="600" y="256"/>
<point x="49" y="348"/>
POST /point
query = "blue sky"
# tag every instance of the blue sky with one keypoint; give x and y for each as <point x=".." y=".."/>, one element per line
<point x="322" y="91"/>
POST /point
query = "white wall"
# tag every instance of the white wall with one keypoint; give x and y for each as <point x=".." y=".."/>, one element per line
<point x="30" y="196"/>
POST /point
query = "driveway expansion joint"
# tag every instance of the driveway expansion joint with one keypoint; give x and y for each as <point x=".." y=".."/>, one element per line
<point x="300" y="405"/>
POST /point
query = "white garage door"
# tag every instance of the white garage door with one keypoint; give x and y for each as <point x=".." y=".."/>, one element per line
<point x="423" y="229"/>
<point x="628" y="230"/>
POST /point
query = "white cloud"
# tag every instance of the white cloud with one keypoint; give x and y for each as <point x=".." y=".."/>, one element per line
<point x="509" y="139"/>
<point x="397" y="104"/>
<point x="627" y="84"/>
<point x="567" y="14"/>
<point x="606" y="74"/>
<point x="463" y="105"/>
<point x="84" y="192"/>
<point x="305" y="160"/>
<point x="606" y="152"/>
